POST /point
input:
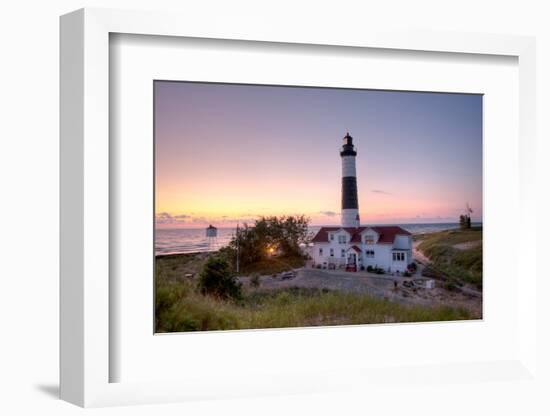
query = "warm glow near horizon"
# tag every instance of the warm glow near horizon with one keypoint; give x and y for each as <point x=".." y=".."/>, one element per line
<point x="231" y="153"/>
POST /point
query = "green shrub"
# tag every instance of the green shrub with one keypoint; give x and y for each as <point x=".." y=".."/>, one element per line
<point x="217" y="280"/>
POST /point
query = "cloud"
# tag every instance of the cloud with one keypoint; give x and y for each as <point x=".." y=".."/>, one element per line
<point x="380" y="191"/>
<point x="166" y="218"/>
<point x="328" y="213"/>
<point x="194" y="219"/>
<point x="163" y="218"/>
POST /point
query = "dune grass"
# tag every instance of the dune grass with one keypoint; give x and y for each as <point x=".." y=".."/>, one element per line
<point x="460" y="265"/>
<point x="180" y="307"/>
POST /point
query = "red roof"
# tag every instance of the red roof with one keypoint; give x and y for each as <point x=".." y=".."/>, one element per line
<point x="357" y="249"/>
<point x="386" y="233"/>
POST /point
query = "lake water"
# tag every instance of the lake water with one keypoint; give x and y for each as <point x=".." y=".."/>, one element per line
<point x="186" y="240"/>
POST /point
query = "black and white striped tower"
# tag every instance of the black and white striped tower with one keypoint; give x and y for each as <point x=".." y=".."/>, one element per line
<point x="350" y="204"/>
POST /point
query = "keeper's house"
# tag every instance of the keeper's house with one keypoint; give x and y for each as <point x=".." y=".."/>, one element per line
<point x="354" y="246"/>
<point x="387" y="247"/>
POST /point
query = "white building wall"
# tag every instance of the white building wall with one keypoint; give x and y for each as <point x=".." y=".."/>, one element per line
<point x="316" y="256"/>
<point x="399" y="266"/>
<point x="403" y="242"/>
<point x="382" y="255"/>
<point x="335" y="245"/>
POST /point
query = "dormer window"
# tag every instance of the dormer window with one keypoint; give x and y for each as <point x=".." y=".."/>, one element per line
<point x="331" y="237"/>
<point x="342" y="239"/>
<point x="369" y="239"/>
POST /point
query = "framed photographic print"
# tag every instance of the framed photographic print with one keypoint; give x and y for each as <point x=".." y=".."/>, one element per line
<point x="285" y="224"/>
<point x="260" y="201"/>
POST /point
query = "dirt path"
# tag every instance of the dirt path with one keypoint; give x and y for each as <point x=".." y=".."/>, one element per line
<point x="381" y="286"/>
<point x="423" y="261"/>
<point x="418" y="255"/>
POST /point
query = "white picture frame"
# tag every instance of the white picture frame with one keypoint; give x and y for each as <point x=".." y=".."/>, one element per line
<point x="86" y="356"/>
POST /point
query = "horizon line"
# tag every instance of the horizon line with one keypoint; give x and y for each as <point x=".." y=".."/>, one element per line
<point x="327" y="225"/>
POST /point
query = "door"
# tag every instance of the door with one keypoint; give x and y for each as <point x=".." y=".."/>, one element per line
<point x="351" y="265"/>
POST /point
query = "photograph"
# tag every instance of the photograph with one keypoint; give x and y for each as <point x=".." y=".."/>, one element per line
<point x="282" y="206"/>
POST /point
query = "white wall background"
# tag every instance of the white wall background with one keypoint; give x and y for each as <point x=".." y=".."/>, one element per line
<point x="29" y="183"/>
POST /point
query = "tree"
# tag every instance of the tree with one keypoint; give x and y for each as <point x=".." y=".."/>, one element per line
<point x="216" y="279"/>
<point x="283" y="235"/>
<point x="289" y="233"/>
<point x="465" y="219"/>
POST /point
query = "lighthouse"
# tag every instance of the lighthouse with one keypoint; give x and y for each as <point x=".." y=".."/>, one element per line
<point x="357" y="247"/>
<point x="350" y="205"/>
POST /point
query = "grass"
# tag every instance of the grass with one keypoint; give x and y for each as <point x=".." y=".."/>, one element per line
<point x="452" y="263"/>
<point x="175" y="266"/>
<point x="180" y="307"/>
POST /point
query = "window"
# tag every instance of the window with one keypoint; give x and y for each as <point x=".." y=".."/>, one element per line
<point x="321" y="251"/>
<point x="343" y="253"/>
<point x="331" y="252"/>
<point x="369" y="253"/>
<point x="398" y="256"/>
<point x="331" y="237"/>
<point x="369" y="239"/>
<point x="342" y="239"/>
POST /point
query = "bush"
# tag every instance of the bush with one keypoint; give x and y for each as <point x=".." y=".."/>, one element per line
<point x="369" y="268"/>
<point x="406" y="274"/>
<point x="217" y="280"/>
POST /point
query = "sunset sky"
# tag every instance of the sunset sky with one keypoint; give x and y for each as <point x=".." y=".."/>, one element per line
<point x="227" y="153"/>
